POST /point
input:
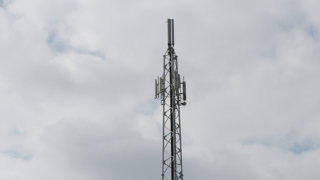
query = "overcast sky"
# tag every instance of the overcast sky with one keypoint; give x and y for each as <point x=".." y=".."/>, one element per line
<point x="76" y="88"/>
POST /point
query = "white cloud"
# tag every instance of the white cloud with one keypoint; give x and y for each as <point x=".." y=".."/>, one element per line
<point x="76" y="81"/>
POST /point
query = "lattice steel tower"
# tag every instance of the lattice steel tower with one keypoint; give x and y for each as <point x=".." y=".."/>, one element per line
<point x="171" y="90"/>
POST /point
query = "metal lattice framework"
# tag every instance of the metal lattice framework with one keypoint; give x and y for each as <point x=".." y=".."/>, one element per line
<point x="172" y="93"/>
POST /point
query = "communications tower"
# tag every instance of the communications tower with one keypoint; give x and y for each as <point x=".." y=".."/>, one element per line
<point x="171" y="90"/>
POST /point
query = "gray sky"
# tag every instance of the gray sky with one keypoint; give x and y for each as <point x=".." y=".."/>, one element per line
<point x="76" y="88"/>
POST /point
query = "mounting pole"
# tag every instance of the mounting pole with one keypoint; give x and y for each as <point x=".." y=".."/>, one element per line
<point x="168" y="89"/>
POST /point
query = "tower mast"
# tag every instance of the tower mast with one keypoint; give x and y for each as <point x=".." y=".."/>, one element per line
<point x="172" y="92"/>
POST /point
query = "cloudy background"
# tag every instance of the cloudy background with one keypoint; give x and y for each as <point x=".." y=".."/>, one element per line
<point x="76" y="88"/>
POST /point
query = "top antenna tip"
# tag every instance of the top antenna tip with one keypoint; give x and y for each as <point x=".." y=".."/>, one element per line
<point x="170" y="32"/>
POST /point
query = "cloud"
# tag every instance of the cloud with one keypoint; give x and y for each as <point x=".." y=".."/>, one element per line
<point x="61" y="46"/>
<point x="290" y="142"/>
<point x="16" y="154"/>
<point x="76" y="88"/>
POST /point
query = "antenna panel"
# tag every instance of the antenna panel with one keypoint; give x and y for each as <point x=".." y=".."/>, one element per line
<point x="184" y="90"/>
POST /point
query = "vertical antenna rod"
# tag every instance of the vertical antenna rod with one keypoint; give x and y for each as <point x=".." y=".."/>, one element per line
<point x="170" y="32"/>
<point x="168" y="89"/>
